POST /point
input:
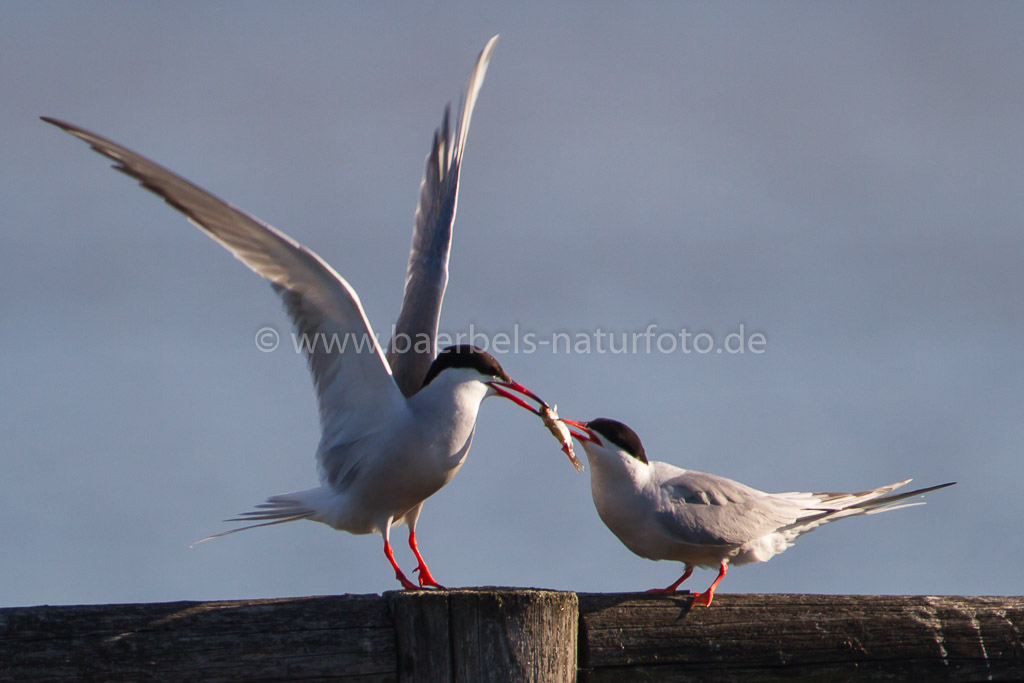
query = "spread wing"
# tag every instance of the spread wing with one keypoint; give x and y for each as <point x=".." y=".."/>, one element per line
<point x="704" y="509"/>
<point x="412" y="350"/>
<point x="324" y="308"/>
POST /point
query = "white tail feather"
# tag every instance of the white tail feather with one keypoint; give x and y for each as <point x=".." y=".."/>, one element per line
<point x="286" y="507"/>
<point x="830" y="507"/>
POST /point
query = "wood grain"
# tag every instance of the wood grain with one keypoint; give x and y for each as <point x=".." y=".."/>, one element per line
<point x="775" y="637"/>
<point x="509" y="634"/>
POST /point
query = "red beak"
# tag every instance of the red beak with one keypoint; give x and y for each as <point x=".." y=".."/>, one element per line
<point x="501" y="388"/>
<point x="581" y="432"/>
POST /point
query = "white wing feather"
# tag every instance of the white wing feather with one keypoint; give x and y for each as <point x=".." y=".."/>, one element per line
<point x="323" y="306"/>
<point x="412" y="350"/>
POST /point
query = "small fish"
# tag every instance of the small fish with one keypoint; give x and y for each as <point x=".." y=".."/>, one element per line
<point x="561" y="432"/>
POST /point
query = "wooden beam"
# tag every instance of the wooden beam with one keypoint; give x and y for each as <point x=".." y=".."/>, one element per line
<point x="348" y="637"/>
<point x="497" y="634"/>
<point x="816" y="637"/>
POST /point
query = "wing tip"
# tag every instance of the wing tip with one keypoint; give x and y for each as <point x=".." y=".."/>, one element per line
<point x="67" y="127"/>
<point x="485" y="54"/>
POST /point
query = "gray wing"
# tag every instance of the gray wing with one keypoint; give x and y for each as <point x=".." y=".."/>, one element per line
<point x="412" y="349"/>
<point x="319" y="301"/>
<point x="705" y="509"/>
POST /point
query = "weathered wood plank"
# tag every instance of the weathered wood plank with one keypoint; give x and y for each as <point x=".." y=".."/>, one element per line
<point x="520" y="635"/>
<point x="772" y="637"/>
<point x="348" y="638"/>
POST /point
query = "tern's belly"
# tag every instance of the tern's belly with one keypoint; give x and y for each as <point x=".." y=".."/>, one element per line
<point x="388" y="476"/>
<point x="633" y="518"/>
<point x="385" y="491"/>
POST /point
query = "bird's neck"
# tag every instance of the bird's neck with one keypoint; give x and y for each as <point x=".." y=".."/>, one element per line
<point x="608" y="468"/>
<point x="447" y="410"/>
<point x="615" y="485"/>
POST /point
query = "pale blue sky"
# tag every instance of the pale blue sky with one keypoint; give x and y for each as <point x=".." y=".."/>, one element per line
<point x="844" y="179"/>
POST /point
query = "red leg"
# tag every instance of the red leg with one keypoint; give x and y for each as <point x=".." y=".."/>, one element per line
<point x="406" y="583"/>
<point x="672" y="588"/>
<point x="424" y="574"/>
<point x="706" y="597"/>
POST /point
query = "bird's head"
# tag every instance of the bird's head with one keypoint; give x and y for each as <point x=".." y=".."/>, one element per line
<point x="467" y="363"/>
<point x="604" y="437"/>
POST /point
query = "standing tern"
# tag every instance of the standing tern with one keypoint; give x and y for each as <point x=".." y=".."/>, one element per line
<point x="663" y="512"/>
<point x="395" y="428"/>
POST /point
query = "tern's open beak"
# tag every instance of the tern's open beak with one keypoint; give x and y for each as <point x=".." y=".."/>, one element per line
<point x="546" y="413"/>
<point x="502" y="389"/>
<point x="581" y="432"/>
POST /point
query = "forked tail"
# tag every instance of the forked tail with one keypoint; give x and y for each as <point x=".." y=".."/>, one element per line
<point x="287" y="507"/>
<point x="821" y="508"/>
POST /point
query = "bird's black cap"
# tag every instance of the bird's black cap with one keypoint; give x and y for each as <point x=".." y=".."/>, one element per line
<point x="466" y="356"/>
<point x="620" y="435"/>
